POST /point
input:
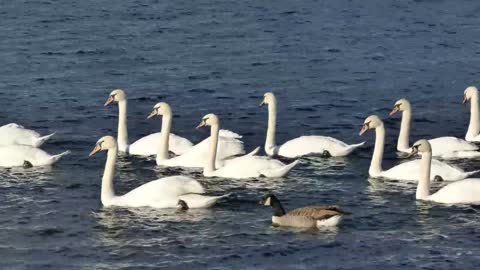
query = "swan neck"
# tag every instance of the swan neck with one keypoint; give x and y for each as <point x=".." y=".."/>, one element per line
<point x="108" y="192"/>
<point x="473" y="127"/>
<point x="272" y="122"/>
<point x="376" y="164"/>
<point x="423" y="188"/>
<point x="122" y="135"/>
<point x="403" y="137"/>
<point x="162" y="152"/>
<point x="210" y="165"/>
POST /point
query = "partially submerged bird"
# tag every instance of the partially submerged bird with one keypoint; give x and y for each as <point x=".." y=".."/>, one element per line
<point x="305" y="217"/>
<point x="182" y="205"/>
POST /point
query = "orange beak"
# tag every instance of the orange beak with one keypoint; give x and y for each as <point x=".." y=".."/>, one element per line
<point x="109" y="100"/>
<point x="152" y="114"/>
<point x="202" y="124"/>
<point x="363" y="130"/>
<point x="95" y="150"/>
<point x="394" y="111"/>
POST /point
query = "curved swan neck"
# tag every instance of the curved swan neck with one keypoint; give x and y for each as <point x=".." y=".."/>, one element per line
<point x="272" y="122"/>
<point x="473" y="127"/>
<point x="162" y="152"/>
<point x="210" y="165"/>
<point x="376" y="164"/>
<point x="404" y="135"/>
<point x="423" y="187"/>
<point x="122" y="135"/>
<point x="108" y="192"/>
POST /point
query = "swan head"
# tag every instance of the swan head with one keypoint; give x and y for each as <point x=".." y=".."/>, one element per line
<point x="421" y="146"/>
<point x="401" y="105"/>
<point x="104" y="143"/>
<point x="469" y="93"/>
<point x="371" y="122"/>
<point x="160" y="108"/>
<point x="209" y="120"/>
<point x="268" y="98"/>
<point x="116" y="95"/>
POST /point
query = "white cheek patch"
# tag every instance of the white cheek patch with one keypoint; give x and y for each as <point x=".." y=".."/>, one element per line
<point x="267" y="201"/>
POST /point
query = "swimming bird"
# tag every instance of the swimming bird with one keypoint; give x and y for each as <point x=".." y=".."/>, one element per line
<point x="305" y="217"/>
<point x="304" y="145"/>
<point x="17" y="134"/>
<point x="464" y="191"/>
<point x="161" y="193"/>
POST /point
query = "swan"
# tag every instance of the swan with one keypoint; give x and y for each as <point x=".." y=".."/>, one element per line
<point x="17" y="155"/>
<point x="195" y="156"/>
<point x="147" y="145"/>
<point x="473" y="132"/>
<point x="161" y="193"/>
<point x="241" y="167"/>
<point x="304" y="145"/>
<point x="17" y="134"/>
<point x="445" y="147"/>
<point x="464" y="191"/>
<point x="407" y="171"/>
<point x="305" y="217"/>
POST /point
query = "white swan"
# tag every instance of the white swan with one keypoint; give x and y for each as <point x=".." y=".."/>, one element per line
<point x="16" y="134"/>
<point x="473" y="132"/>
<point x="147" y="145"/>
<point x="18" y="155"/>
<point x="195" y="157"/>
<point x="464" y="191"/>
<point x="408" y="171"/>
<point x="304" y="145"/>
<point x="242" y="167"/>
<point x="445" y="147"/>
<point x="160" y="193"/>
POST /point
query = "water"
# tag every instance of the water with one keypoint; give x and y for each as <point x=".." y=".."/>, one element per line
<point x="331" y="64"/>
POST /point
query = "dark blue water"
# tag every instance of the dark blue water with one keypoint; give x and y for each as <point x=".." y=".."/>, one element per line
<point x="331" y="64"/>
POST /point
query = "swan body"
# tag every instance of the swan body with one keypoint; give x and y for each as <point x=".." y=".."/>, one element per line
<point x="17" y="134"/>
<point x="147" y="145"/>
<point x="473" y="132"/>
<point x="445" y="147"/>
<point x="16" y="155"/>
<point x="464" y="191"/>
<point x="305" y="217"/>
<point x="304" y="145"/>
<point x="407" y="171"/>
<point x="241" y="167"/>
<point x="195" y="157"/>
<point x="160" y="193"/>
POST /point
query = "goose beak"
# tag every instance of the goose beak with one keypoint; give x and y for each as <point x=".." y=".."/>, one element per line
<point x="465" y="100"/>
<point x="202" y="124"/>
<point x="394" y="111"/>
<point x="95" y="150"/>
<point x="152" y="114"/>
<point x="109" y="100"/>
<point x="363" y="130"/>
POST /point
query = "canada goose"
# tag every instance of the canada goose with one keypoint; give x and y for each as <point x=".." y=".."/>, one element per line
<point x="305" y="217"/>
<point x="182" y="205"/>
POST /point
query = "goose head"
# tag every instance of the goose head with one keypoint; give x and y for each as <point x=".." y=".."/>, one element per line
<point x="209" y="120"/>
<point x="104" y="143"/>
<point x="371" y="122"/>
<point x="268" y="200"/>
<point x="401" y="105"/>
<point x="470" y="92"/>
<point x="420" y="146"/>
<point x="116" y="95"/>
<point x="268" y="98"/>
<point x="160" y="108"/>
<point x="182" y="205"/>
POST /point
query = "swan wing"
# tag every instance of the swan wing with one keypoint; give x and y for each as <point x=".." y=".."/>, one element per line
<point x="16" y="134"/>
<point x="464" y="191"/>
<point x="410" y="171"/>
<point x="444" y="145"/>
<point x="229" y="134"/>
<point x="249" y="166"/>
<point x="305" y="145"/>
<point x="16" y="155"/>
<point x="149" y="144"/>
